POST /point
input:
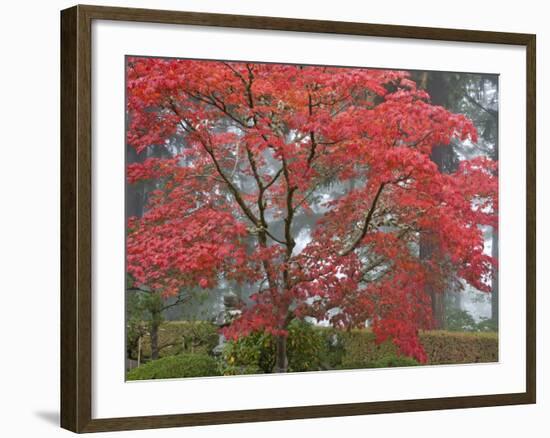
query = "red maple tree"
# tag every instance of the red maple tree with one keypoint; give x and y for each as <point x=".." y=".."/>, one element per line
<point x="258" y="144"/>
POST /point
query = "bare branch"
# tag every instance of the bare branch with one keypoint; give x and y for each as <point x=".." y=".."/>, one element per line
<point x="366" y="222"/>
<point x="489" y="111"/>
<point x="275" y="177"/>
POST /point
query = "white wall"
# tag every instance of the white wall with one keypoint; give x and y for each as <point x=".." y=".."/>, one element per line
<point x="29" y="230"/>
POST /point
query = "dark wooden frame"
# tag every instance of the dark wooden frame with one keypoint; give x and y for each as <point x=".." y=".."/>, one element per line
<point x="76" y="174"/>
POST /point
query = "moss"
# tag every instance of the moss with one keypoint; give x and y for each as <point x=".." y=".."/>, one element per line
<point x="171" y="367"/>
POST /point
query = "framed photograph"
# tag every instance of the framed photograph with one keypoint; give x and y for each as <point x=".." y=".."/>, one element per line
<point x="270" y="218"/>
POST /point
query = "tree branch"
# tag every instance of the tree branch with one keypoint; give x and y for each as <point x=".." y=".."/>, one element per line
<point x="179" y="300"/>
<point x="366" y="222"/>
<point x="290" y="243"/>
<point x="229" y="184"/>
<point x="311" y="135"/>
<point x="275" y="177"/>
<point x="489" y="111"/>
<point x="231" y="187"/>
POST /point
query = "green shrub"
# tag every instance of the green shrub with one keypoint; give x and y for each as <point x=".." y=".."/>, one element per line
<point x="177" y="337"/>
<point x="442" y="347"/>
<point x="252" y="354"/>
<point x="136" y="327"/>
<point x="334" y="348"/>
<point x="487" y="325"/>
<point x="306" y="348"/>
<point x="392" y="361"/>
<point x="457" y="320"/>
<point x="171" y="367"/>
<point x="360" y="350"/>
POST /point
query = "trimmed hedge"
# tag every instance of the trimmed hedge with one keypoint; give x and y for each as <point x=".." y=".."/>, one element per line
<point x="180" y="365"/>
<point x="177" y="337"/>
<point x="360" y="350"/>
<point x="442" y="347"/>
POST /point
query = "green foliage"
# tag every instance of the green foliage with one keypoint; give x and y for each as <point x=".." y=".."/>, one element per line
<point x="360" y="350"/>
<point x="143" y="311"/>
<point x="443" y="347"/>
<point x="335" y="348"/>
<point x="306" y="349"/>
<point x="393" y="361"/>
<point x="177" y="337"/>
<point x="457" y="320"/>
<point x="312" y="348"/>
<point x="136" y="324"/>
<point x="253" y="354"/>
<point x="487" y="325"/>
<point x="171" y="367"/>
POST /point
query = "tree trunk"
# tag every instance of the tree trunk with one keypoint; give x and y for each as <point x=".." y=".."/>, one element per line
<point x="135" y="193"/>
<point x="438" y="309"/>
<point x="494" y="248"/>
<point x="281" y="358"/>
<point x="494" y="291"/>
<point x="443" y="156"/>
<point x="437" y="297"/>
<point x="155" y="338"/>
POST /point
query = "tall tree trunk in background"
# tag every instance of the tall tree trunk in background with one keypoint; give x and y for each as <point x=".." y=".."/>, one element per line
<point x="437" y="297"/>
<point x="443" y="156"/>
<point x="494" y="288"/>
<point x="135" y="193"/>
<point x="494" y="247"/>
